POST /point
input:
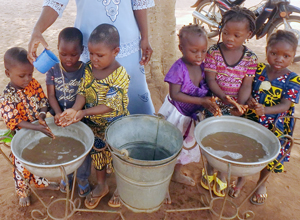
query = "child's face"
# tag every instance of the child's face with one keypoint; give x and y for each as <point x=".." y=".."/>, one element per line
<point x="193" y="49"/>
<point x="235" y="33"/>
<point x="69" y="53"/>
<point x="20" y="75"/>
<point x="280" y="55"/>
<point x="102" y="55"/>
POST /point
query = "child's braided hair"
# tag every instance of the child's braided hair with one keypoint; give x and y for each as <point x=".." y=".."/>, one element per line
<point x="282" y="35"/>
<point x="237" y="13"/>
<point x="191" y="29"/>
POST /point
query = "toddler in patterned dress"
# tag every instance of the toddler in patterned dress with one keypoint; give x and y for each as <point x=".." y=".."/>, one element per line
<point x="187" y="96"/>
<point x="22" y="102"/>
<point x="103" y="95"/>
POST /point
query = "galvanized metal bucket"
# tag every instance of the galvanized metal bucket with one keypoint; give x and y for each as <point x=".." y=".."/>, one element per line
<point x="143" y="172"/>
<point x="26" y="137"/>
<point x="240" y="126"/>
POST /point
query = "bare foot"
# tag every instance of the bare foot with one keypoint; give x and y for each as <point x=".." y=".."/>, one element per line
<point x="93" y="198"/>
<point x="115" y="201"/>
<point x="181" y="178"/>
<point x="260" y="196"/>
<point x="24" y="201"/>
<point x="168" y="198"/>
<point x="236" y="187"/>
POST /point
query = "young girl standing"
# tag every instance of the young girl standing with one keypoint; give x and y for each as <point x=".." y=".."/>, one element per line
<point x="103" y="95"/>
<point x="230" y="67"/>
<point x="188" y="89"/>
<point x="275" y="92"/>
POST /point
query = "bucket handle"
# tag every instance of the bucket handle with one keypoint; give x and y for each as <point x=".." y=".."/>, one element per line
<point x="122" y="153"/>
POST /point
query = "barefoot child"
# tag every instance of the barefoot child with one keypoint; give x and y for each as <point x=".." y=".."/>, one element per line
<point x="103" y="94"/>
<point x="230" y="67"/>
<point x="22" y="102"/>
<point x="188" y="89"/>
<point x="275" y="92"/>
<point x="62" y="84"/>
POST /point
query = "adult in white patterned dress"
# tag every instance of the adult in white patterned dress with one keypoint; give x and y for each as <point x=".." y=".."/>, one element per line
<point x="130" y="18"/>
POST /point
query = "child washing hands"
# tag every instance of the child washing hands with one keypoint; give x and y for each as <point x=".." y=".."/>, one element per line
<point x="187" y="95"/>
<point x="275" y="92"/>
<point x="103" y="94"/>
<point x="22" y="102"/>
<point x="62" y="83"/>
<point x="229" y="68"/>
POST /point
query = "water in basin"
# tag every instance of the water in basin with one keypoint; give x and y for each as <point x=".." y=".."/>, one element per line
<point x="48" y="151"/>
<point x="233" y="146"/>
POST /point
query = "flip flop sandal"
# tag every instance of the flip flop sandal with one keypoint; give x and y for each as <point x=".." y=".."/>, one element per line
<point x="114" y="205"/>
<point x="257" y="195"/>
<point x="63" y="190"/>
<point x="83" y="188"/>
<point x="222" y="186"/>
<point x="86" y="203"/>
<point x="210" y="179"/>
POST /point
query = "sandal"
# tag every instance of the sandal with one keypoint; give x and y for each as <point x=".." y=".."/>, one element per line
<point x="86" y="203"/>
<point x="210" y="179"/>
<point x="63" y="185"/>
<point x="222" y="186"/>
<point x="114" y="202"/>
<point x="259" y="196"/>
<point x="84" y="188"/>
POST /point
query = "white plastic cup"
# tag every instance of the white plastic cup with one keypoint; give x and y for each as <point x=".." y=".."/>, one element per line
<point x="45" y="61"/>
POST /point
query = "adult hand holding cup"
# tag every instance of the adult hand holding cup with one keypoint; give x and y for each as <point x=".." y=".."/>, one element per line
<point x="45" y="61"/>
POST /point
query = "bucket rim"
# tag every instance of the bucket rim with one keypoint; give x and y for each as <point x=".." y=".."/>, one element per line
<point x="136" y="161"/>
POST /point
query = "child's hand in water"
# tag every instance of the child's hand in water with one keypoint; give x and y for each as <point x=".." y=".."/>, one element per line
<point x="45" y="129"/>
<point x="44" y="124"/>
<point x="67" y="117"/>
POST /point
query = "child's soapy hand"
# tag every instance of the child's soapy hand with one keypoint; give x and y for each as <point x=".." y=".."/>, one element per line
<point x="67" y="117"/>
<point x="240" y="109"/>
<point x="210" y="104"/>
<point x="218" y="111"/>
<point x="259" y="109"/>
<point x="56" y="119"/>
<point x="234" y="111"/>
<point x="251" y="102"/>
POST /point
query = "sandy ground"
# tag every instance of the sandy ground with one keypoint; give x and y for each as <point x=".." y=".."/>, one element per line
<point x="17" y="19"/>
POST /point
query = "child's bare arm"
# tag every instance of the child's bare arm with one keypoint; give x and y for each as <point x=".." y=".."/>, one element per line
<point x="213" y="86"/>
<point x="283" y="106"/>
<point x="54" y="103"/>
<point x="245" y="90"/>
<point x="52" y="99"/>
<point x="36" y="127"/>
<point x="206" y="102"/>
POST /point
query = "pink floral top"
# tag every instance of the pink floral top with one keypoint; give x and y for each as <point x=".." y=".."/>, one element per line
<point x="230" y="77"/>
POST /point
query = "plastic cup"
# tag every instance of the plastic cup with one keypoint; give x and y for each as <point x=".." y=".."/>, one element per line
<point x="45" y="61"/>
